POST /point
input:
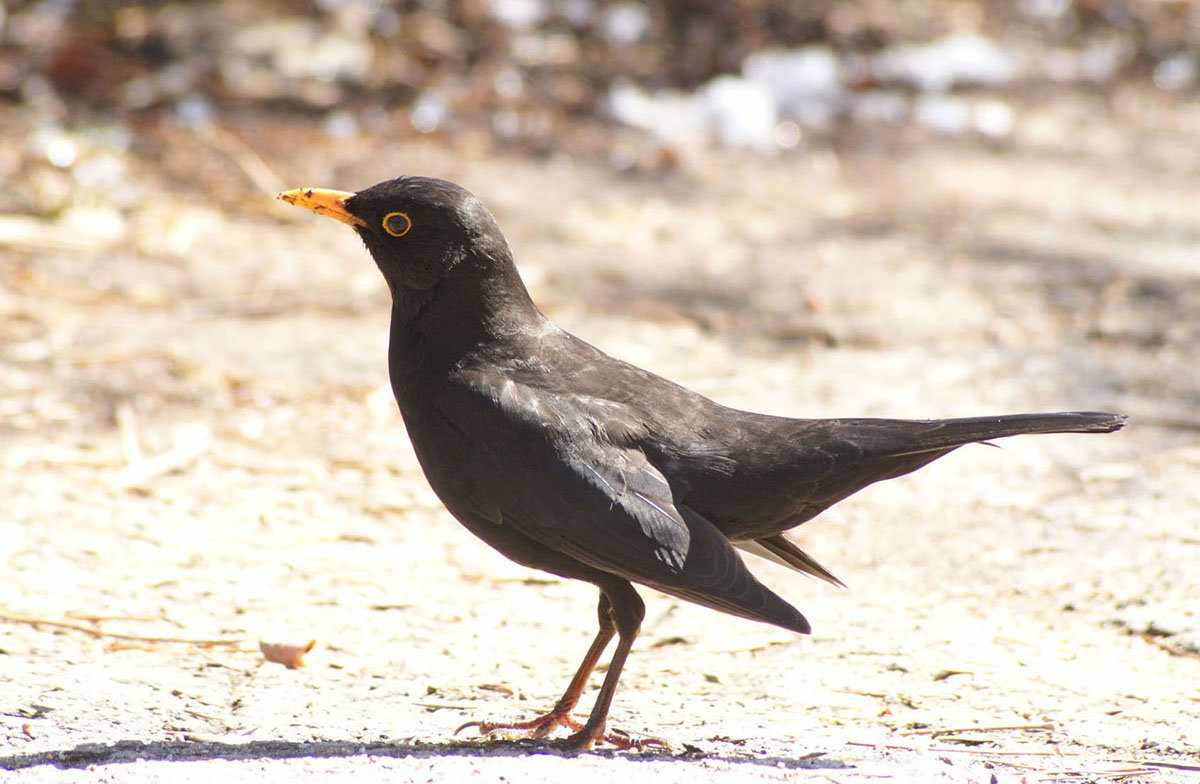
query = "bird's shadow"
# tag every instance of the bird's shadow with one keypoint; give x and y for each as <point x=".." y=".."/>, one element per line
<point x="131" y="751"/>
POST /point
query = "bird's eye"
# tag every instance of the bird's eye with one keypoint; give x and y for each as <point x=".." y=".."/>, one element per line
<point x="396" y="223"/>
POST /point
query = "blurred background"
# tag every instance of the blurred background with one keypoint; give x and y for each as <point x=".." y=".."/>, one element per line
<point x="912" y="208"/>
<point x="546" y="77"/>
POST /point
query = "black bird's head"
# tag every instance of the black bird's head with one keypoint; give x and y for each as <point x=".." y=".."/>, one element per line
<point x="439" y="248"/>
<point x="416" y="228"/>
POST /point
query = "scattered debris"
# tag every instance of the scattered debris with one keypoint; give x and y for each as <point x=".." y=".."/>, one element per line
<point x="290" y="656"/>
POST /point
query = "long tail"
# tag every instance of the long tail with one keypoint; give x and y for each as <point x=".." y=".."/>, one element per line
<point x="947" y="433"/>
<point x="878" y="449"/>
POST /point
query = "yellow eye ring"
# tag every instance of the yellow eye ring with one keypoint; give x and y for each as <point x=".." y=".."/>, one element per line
<point x="396" y="223"/>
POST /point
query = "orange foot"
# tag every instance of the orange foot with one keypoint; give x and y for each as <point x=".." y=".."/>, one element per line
<point x="583" y="737"/>
<point x="586" y="737"/>
<point x="539" y="727"/>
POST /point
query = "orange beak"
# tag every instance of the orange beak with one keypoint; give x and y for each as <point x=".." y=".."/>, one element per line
<point x="323" y="201"/>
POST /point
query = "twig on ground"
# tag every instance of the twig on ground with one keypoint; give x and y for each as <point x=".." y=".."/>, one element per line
<point x="1175" y="650"/>
<point x="1092" y="775"/>
<point x="445" y="706"/>
<point x="200" y="715"/>
<point x="93" y="618"/>
<point x="875" y="694"/>
<point x="950" y="750"/>
<point x="1163" y="764"/>
<point x="194" y="441"/>
<point x="32" y="621"/>
<point x="1002" y="728"/>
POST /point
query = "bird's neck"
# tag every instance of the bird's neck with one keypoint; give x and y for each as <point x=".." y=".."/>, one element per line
<point x="485" y="309"/>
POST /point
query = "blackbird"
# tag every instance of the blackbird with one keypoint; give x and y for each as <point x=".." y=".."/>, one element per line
<point x="570" y="461"/>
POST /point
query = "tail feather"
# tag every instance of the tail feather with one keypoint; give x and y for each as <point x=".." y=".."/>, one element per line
<point x="860" y="452"/>
<point x="715" y="576"/>
<point x="784" y="551"/>
<point x="944" y="434"/>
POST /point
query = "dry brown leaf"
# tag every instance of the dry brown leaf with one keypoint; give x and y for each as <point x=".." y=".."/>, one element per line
<point x="498" y="688"/>
<point x="290" y="656"/>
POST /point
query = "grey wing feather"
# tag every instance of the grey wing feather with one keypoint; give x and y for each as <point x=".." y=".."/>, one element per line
<point x="634" y="494"/>
<point x="591" y="493"/>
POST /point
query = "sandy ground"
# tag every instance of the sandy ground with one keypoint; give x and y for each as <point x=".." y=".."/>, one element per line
<point x="199" y="446"/>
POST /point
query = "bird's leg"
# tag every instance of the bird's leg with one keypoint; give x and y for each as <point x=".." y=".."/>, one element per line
<point x="560" y="714"/>
<point x="626" y="613"/>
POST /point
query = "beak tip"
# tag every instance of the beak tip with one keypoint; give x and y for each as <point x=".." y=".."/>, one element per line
<point x="323" y="201"/>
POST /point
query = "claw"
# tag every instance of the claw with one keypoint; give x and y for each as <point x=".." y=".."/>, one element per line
<point x="581" y="739"/>
<point x="538" y="727"/>
<point x="478" y="724"/>
<point x="585" y="738"/>
<point x="624" y="742"/>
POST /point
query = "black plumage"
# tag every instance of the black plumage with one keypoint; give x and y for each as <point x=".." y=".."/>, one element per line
<point x="568" y="460"/>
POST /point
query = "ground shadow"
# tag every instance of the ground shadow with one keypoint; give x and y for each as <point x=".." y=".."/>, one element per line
<point x="131" y="751"/>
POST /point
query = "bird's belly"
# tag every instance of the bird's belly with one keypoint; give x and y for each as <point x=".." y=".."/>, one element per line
<point x="480" y="482"/>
